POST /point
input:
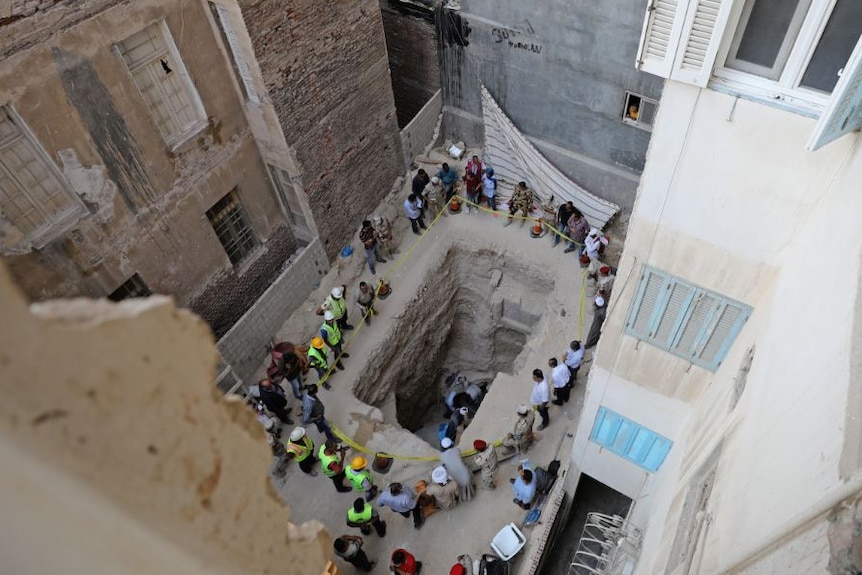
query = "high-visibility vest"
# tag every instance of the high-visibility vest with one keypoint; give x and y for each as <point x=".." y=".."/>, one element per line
<point x="357" y="478"/>
<point x="301" y="450"/>
<point x="363" y="517"/>
<point x="317" y="357"/>
<point x="333" y="333"/>
<point x="338" y="307"/>
<point x="327" y="460"/>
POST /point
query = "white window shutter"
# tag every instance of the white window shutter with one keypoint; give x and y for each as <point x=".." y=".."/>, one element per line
<point x="844" y="112"/>
<point x="678" y="298"/>
<point x="660" y="36"/>
<point x="242" y="63"/>
<point x="702" y="32"/>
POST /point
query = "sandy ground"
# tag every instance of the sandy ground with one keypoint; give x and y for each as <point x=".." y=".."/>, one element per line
<point x="470" y="527"/>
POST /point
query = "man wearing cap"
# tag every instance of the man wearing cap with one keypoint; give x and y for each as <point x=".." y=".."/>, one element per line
<point x="521" y="437"/>
<point x="363" y="515"/>
<point x="273" y="438"/>
<point x="331" y="334"/>
<point x="360" y="478"/>
<point x="573" y="358"/>
<point x="540" y="396"/>
<point x="401" y="499"/>
<point x="372" y="251"/>
<point x="443" y="489"/>
<point x="383" y="234"/>
<point x="600" y="310"/>
<point x="318" y="360"/>
<point x="313" y="411"/>
<point x="579" y="227"/>
<point x="336" y="303"/>
<point x="522" y="199"/>
<point x="300" y="448"/>
<point x="275" y="400"/>
<point x="331" y="456"/>
<point x="605" y="282"/>
<point x="404" y="563"/>
<point x="560" y="377"/>
<point x="457" y="469"/>
<point x="349" y="548"/>
<point x="486" y="459"/>
<point x="594" y="243"/>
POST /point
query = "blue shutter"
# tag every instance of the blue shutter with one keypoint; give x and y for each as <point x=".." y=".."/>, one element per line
<point x="844" y="112"/>
<point x="629" y="440"/>
<point x="646" y="303"/>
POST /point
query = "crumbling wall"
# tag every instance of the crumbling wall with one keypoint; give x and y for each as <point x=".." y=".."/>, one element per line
<point x="325" y="66"/>
<point x="121" y="436"/>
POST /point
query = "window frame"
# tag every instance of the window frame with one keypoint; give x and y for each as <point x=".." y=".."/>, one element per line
<point x="638" y="123"/>
<point x="245" y="221"/>
<point x="174" y="141"/>
<point x="640" y="445"/>
<point x="58" y="224"/>
<point x="681" y="327"/>
<point x="138" y="289"/>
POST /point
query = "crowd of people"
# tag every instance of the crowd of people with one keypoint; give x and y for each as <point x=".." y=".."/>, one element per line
<point x="451" y="483"/>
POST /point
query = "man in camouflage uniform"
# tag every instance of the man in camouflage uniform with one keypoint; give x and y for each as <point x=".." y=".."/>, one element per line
<point x="383" y="233"/>
<point x="522" y="436"/>
<point x="522" y="199"/>
<point x="486" y="459"/>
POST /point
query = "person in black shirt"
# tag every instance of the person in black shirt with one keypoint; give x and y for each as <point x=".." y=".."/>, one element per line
<point x="563" y="214"/>
<point x="274" y="399"/>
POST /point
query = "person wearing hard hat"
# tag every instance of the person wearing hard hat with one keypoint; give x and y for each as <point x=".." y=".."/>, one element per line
<point x="363" y="515"/>
<point x="486" y="459"/>
<point x="317" y="359"/>
<point x="331" y="334"/>
<point x="336" y="303"/>
<point x="443" y="489"/>
<point x="331" y="456"/>
<point x="522" y="436"/>
<point x="300" y="448"/>
<point x="360" y="478"/>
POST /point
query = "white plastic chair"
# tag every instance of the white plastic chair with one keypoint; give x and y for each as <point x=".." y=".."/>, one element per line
<point x="508" y="542"/>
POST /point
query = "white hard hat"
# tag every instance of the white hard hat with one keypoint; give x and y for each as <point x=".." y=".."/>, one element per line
<point x="435" y="180"/>
<point x="600" y="301"/>
<point x="328" y="315"/>
<point x="337" y="292"/>
<point x="446" y="443"/>
<point x="439" y="475"/>
<point x="464" y="411"/>
<point x="297" y="433"/>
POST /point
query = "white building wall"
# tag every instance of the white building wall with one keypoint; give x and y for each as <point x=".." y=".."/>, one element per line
<point x="730" y="200"/>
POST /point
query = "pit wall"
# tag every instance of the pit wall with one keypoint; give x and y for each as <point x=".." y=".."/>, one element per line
<point x="735" y="204"/>
<point x="537" y="58"/>
<point x="421" y="133"/>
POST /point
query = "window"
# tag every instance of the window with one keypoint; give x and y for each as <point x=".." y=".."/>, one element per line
<point x="782" y="52"/>
<point x="230" y="224"/>
<point x="691" y="322"/>
<point x="287" y="194"/>
<point x="164" y="83"/>
<point x="629" y="440"/>
<point x="132" y="287"/>
<point x="639" y="111"/>
<point x="33" y="196"/>
<point x="235" y="53"/>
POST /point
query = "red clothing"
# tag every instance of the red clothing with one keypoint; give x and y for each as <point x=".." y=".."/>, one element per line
<point x="408" y="566"/>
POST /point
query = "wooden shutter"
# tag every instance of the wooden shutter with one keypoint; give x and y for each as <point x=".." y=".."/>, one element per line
<point x="678" y="296"/>
<point x="702" y="33"/>
<point x="844" y="112"/>
<point x="643" y="310"/>
<point x="723" y="331"/>
<point x="695" y="324"/>
<point x="235" y="46"/>
<point x="660" y="36"/>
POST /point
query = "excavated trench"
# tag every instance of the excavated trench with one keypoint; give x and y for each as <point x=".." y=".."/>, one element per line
<point x="473" y="314"/>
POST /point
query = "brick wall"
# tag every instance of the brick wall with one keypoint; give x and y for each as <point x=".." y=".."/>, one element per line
<point x="229" y="294"/>
<point x="423" y="130"/>
<point x="244" y="346"/>
<point x="325" y="65"/>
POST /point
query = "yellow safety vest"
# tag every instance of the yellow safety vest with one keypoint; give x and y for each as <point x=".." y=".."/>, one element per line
<point x="357" y="479"/>
<point x="316" y="357"/>
<point x="333" y="333"/>
<point x="363" y="517"/>
<point x="301" y="450"/>
<point x="327" y="460"/>
<point x="338" y="307"/>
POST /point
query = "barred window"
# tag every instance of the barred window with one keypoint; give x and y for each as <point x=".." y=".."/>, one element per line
<point x="131" y="288"/>
<point x="231" y="225"/>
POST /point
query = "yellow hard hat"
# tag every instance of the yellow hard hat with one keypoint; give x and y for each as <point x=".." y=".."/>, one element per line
<point x="358" y="463"/>
<point x="317" y="342"/>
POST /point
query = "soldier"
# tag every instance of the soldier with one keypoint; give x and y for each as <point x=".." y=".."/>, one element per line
<point x="361" y="478"/>
<point x="522" y="437"/>
<point x="301" y="449"/>
<point x="522" y="199"/>
<point x="487" y="461"/>
<point x="433" y="194"/>
<point x="383" y="233"/>
<point x="317" y="359"/>
<point x="331" y="456"/>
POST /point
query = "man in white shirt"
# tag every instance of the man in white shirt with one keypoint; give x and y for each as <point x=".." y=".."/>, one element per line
<point x="540" y="396"/>
<point x="560" y="380"/>
<point x="413" y="211"/>
<point x="573" y="358"/>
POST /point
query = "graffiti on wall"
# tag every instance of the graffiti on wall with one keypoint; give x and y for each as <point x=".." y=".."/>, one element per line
<point x="516" y="37"/>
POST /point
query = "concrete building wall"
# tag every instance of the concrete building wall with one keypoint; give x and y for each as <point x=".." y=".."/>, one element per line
<point x="731" y="201"/>
<point x="244" y="345"/>
<point x="326" y="70"/>
<point x="423" y="129"/>
<point x="144" y="203"/>
<point x="559" y="70"/>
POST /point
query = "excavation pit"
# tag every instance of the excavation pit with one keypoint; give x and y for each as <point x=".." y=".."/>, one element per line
<point x="473" y="314"/>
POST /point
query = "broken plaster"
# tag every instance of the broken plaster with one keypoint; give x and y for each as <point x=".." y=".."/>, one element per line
<point x="91" y="184"/>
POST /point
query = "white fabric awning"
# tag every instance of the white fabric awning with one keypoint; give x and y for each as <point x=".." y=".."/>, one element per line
<point x="515" y="159"/>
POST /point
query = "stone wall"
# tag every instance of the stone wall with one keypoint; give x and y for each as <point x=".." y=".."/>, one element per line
<point x="244" y="346"/>
<point x="423" y="129"/>
<point x="325" y="66"/>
